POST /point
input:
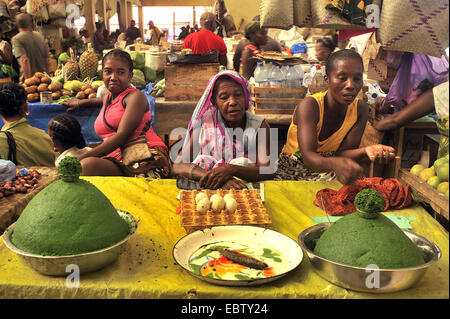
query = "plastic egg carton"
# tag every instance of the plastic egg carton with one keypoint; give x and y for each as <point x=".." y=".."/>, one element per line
<point x="250" y="210"/>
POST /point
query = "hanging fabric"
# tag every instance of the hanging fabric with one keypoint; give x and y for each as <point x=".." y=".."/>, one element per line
<point x="351" y="10"/>
<point x="414" y="70"/>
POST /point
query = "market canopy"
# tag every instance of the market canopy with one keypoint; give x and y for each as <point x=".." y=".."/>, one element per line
<point x="419" y="26"/>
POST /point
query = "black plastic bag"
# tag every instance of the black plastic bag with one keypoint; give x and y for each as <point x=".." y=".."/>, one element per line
<point x="208" y="57"/>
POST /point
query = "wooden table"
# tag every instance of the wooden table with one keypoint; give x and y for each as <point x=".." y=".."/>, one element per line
<point x="416" y="127"/>
<point x="438" y="201"/>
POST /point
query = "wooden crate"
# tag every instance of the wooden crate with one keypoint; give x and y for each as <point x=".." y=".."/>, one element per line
<point x="438" y="201"/>
<point x="276" y="100"/>
<point x="187" y="82"/>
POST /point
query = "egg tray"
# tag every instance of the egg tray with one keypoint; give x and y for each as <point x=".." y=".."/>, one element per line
<point x="250" y="210"/>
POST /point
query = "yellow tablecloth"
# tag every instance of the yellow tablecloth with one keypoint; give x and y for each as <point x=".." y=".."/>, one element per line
<point x="147" y="269"/>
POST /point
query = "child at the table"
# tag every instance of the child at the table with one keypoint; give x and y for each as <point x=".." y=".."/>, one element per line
<point x="65" y="131"/>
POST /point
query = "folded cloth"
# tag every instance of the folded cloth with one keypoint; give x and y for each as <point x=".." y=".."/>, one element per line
<point x="340" y="202"/>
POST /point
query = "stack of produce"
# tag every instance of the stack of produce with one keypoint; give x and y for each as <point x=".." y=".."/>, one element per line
<point x="141" y="74"/>
<point x="41" y="82"/>
<point x="341" y="202"/>
<point x="21" y="183"/>
<point x="436" y="176"/>
<point x="83" y="90"/>
<point x="159" y="88"/>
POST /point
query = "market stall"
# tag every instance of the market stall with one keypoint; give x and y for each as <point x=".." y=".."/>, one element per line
<point x="147" y="268"/>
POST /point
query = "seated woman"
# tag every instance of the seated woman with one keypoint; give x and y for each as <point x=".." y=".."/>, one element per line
<point x="125" y="115"/>
<point x="324" y="136"/>
<point x="435" y="99"/>
<point x="224" y="140"/>
<point x="65" y="131"/>
<point x="20" y="142"/>
<point x="257" y="37"/>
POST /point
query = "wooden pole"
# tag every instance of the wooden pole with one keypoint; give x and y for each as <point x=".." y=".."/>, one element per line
<point x="102" y="13"/>
<point x="141" y="21"/>
<point x="174" y="25"/>
<point x="123" y="22"/>
<point x="193" y="16"/>
<point x="129" y="13"/>
<point x="89" y="14"/>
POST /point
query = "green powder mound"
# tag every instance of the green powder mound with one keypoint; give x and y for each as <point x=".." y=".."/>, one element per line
<point x="67" y="219"/>
<point x="370" y="201"/>
<point x="357" y="241"/>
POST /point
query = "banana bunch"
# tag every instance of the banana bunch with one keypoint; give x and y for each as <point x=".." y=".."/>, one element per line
<point x="159" y="88"/>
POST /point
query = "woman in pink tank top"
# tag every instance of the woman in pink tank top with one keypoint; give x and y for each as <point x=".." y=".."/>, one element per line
<point x="125" y="114"/>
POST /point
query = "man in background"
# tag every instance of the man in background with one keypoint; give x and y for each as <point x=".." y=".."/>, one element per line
<point x="155" y="33"/>
<point x="205" y="40"/>
<point x="271" y="45"/>
<point x="30" y="48"/>
<point x="132" y="33"/>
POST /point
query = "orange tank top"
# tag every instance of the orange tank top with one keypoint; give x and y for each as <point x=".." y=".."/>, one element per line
<point x="333" y="142"/>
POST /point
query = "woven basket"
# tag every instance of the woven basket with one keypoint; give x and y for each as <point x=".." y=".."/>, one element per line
<point x="277" y="14"/>
<point x="418" y="26"/>
<point x="371" y="135"/>
<point x="302" y="13"/>
<point x="325" y="18"/>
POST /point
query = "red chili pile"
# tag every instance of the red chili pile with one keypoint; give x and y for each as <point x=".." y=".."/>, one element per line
<point x="340" y="202"/>
<point x="21" y="184"/>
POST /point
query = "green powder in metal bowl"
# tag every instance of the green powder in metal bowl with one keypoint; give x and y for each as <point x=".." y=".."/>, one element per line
<point x="68" y="218"/>
<point x="357" y="241"/>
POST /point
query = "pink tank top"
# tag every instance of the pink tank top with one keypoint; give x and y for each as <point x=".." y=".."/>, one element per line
<point x="113" y="115"/>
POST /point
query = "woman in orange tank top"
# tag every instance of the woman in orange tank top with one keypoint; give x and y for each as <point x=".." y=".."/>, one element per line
<point x="325" y="133"/>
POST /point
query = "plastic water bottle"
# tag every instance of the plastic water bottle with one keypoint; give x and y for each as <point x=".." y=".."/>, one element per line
<point x="260" y="77"/>
<point x="293" y="79"/>
<point x="276" y="77"/>
<point x="318" y="83"/>
<point x="276" y="81"/>
<point x="300" y="71"/>
<point x="285" y="69"/>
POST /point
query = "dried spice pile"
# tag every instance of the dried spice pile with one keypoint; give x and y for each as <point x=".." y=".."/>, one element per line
<point x="340" y="202"/>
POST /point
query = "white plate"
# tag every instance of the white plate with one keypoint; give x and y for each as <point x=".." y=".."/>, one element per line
<point x="248" y="235"/>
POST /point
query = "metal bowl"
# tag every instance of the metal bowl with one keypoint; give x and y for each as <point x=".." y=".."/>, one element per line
<point x="368" y="279"/>
<point x="87" y="262"/>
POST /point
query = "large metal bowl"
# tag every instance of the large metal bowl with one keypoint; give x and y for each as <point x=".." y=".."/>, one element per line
<point x="87" y="262"/>
<point x="368" y="279"/>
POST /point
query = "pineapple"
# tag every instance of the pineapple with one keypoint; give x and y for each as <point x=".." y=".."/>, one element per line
<point x="71" y="69"/>
<point x="88" y="63"/>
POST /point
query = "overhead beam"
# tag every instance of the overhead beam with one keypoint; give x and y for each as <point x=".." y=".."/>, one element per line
<point x="177" y="3"/>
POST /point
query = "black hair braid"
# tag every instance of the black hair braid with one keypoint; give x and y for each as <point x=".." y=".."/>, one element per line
<point x="339" y="55"/>
<point x="67" y="130"/>
<point x="120" y="54"/>
<point x="12" y="97"/>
